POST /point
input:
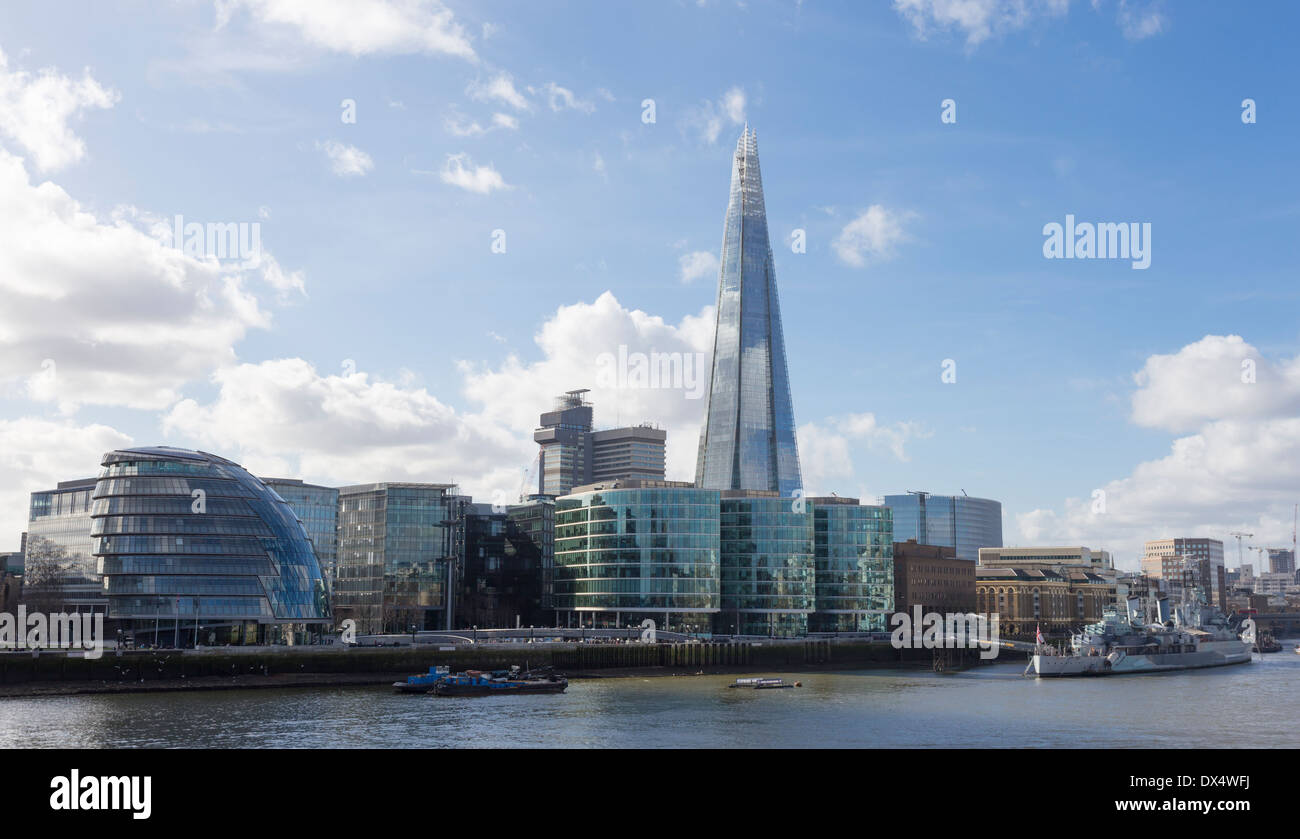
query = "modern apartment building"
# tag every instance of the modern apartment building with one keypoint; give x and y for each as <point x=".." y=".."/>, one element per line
<point x="960" y="522"/>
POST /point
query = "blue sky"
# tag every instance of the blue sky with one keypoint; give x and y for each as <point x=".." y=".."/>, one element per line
<point x="382" y="338"/>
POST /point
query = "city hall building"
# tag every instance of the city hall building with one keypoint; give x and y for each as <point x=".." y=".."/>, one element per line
<point x="193" y="549"/>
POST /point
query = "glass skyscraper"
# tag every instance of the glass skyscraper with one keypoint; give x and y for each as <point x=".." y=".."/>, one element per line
<point x="953" y="521"/>
<point x="748" y="438"/>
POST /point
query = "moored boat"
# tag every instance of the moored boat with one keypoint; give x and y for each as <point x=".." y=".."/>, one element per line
<point x="763" y="683"/>
<point x="421" y="682"/>
<point x="499" y="683"/>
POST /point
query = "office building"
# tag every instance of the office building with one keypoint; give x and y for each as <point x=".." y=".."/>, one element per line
<point x="931" y="577"/>
<point x="195" y="550"/>
<point x="636" y="549"/>
<point x="317" y="508"/>
<point x="748" y="438"/>
<point x="960" y="522"/>
<point x="768" y="574"/>
<point x="498" y="573"/>
<point x="572" y="453"/>
<point x="395" y="541"/>
<point x="1028" y="600"/>
<point x="534" y="521"/>
<point x="1054" y="556"/>
<point x="853" y="556"/>
<point x="63" y="517"/>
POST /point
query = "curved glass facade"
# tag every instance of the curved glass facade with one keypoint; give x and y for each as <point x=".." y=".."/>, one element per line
<point x="194" y="549"/>
<point x="767" y="567"/>
<point x="854" y="553"/>
<point x="622" y="555"/>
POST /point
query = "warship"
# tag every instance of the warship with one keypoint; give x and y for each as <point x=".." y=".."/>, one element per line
<point x="1189" y="636"/>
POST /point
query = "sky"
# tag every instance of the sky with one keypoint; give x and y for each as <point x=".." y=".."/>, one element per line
<point x="453" y="212"/>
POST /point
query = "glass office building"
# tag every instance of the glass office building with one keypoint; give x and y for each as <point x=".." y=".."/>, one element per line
<point x="394" y="545"/>
<point x="960" y="522"/>
<point x="748" y="438"/>
<point x="853" y="552"/>
<point x="195" y="550"/>
<point x="637" y="550"/>
<point x="62" y="516"/>
<point x="317" y="508"/>
<point x="768" y="575"/>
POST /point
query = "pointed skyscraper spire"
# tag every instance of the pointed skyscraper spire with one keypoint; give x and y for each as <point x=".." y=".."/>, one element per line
<point x="748" y="438"/>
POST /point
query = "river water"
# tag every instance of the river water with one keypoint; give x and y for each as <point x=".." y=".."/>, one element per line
<point x="1241" y="706"/>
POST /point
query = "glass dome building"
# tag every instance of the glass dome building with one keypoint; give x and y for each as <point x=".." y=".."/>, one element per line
<point x="195" y="550"/>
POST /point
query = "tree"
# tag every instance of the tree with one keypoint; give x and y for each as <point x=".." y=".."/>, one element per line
<point x="45" y="571"/>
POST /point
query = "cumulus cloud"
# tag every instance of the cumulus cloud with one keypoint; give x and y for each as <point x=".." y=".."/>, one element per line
<point x="36" y="109"/>
<point x="871" y="237"/>
<point x="105" y="311"/>
<point x="284" y="416"/>
<point x="361" y="27"/>
<point x="460" y="171"/>
<point x="287" y="417"/>
<point x="1238" y="470"/>
<point x="698" y="265"/>
<point x="36" y="454"/>
<point x="344" y="160"/>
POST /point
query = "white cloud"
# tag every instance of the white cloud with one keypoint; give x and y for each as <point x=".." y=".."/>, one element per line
<point x="826" y="449"/>
<point x="460" y="171"/>
<point x="505" y="121"/>
<point x="36" y="454"/>
<point x="284" y="416"/>
<point x="499" y="88"/>
<point x="710" y="118"/>
<point x="458" y="125"/>
<point x="345" y="161"/>
<point x="362" y="27"/>
<point x="104" y="312"/>
<point x="1141" y="22"/>
<point x="1238" y="471"/>
<point x="35" y="111"/>
<point x="563" y="99"/>
<point x="698" y="265"/>
<point x="872" y="236"/>
<point x="979" y="20"/>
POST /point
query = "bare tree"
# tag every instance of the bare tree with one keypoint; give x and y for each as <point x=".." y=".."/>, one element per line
<point x="45" y="571"/>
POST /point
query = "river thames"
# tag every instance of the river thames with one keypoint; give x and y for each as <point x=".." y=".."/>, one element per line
<point x="1244" y="706"/>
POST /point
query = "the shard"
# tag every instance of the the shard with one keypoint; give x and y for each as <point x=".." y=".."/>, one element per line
<point x="748" y="438"/>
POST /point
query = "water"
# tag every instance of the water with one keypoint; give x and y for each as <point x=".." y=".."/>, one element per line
<point x="1243" y="706"/>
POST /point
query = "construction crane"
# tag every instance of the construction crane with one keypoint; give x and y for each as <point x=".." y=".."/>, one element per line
<point x="1238" y="535"/>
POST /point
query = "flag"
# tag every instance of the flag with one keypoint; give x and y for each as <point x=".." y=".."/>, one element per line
<point x="1039" y="632"/>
